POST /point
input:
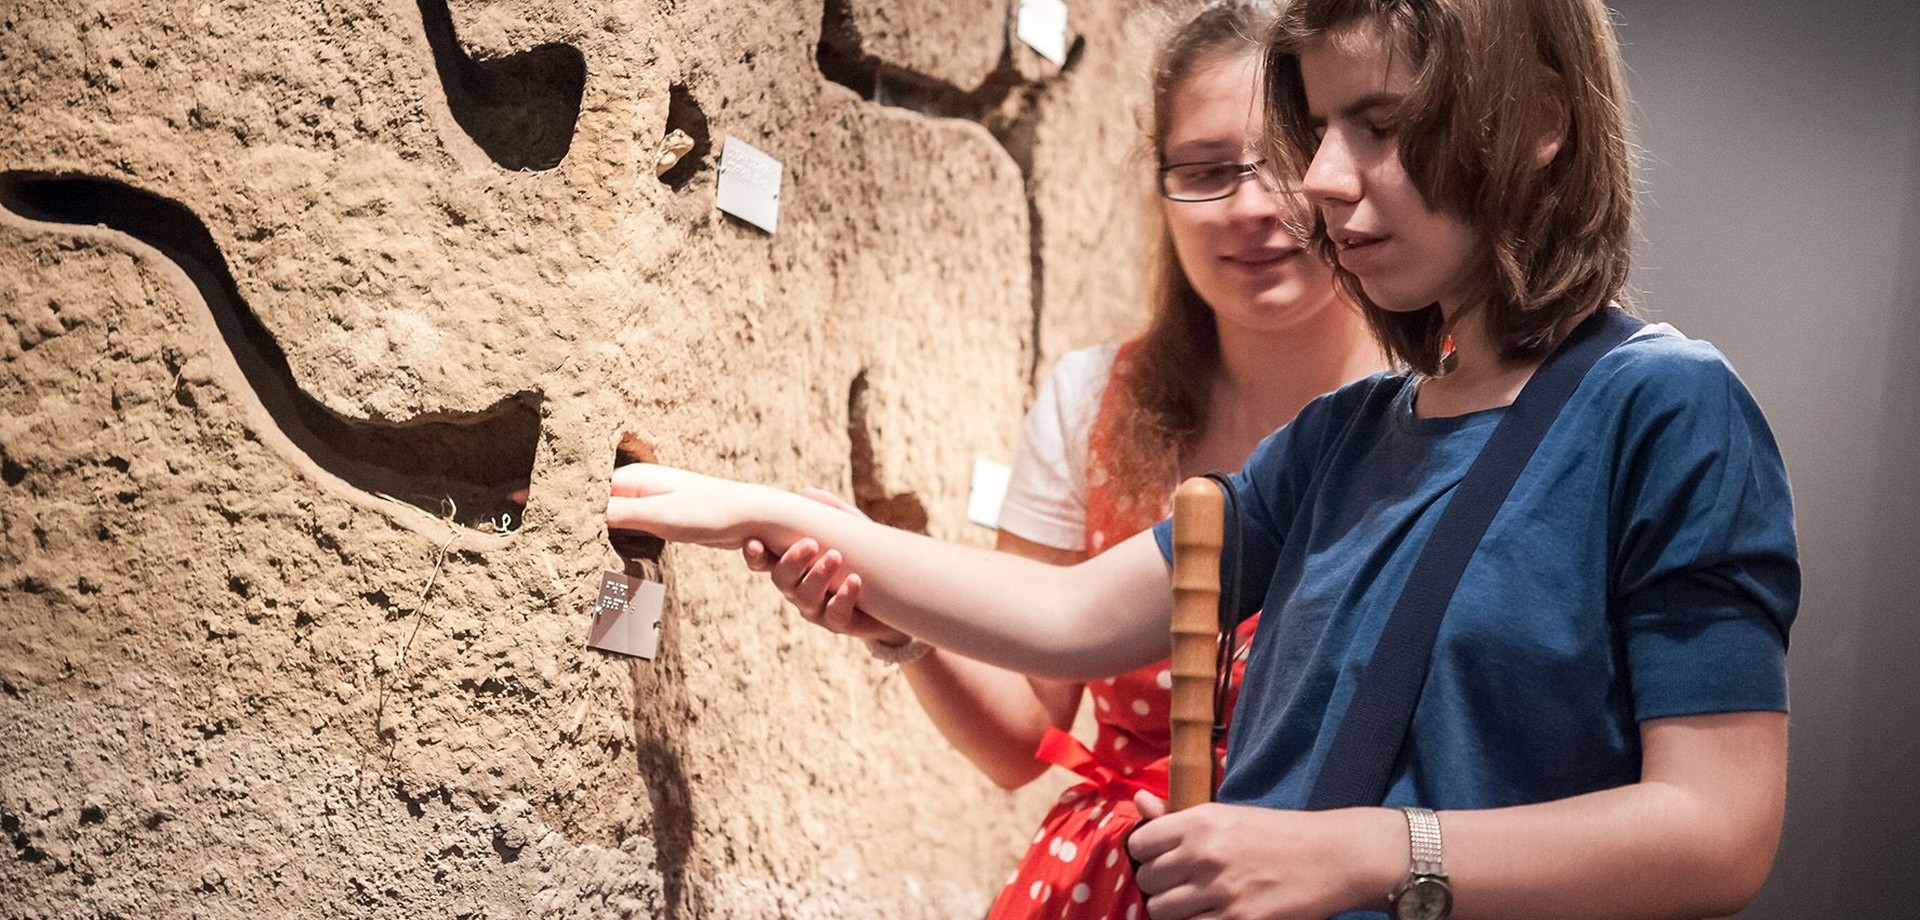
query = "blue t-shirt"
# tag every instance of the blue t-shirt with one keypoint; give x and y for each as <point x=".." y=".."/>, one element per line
<point x="1643" y="566"/>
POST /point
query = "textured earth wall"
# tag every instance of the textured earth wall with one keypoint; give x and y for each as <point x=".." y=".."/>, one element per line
<point x="298" y="295"/>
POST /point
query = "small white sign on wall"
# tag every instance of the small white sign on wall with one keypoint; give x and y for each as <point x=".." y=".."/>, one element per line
<point x="626" y="616"/>
<point x="1042" y="24"/>
<point x="749" y="184"/>
<point x="988" y="493"/>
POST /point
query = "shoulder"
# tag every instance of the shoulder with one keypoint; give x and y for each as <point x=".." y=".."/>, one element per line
<point x="1662" y="352"/>
<point x="1083" y="369"/>
<point x="1351" y="410"/>
<point x="1661" y="370"/>
<point x="1366" y="391"/>
<point x="1068" y="399"/>
<point x="1359" y="402"/>
<point x="1047" y="488"/>
<point x="1673" y="400"/>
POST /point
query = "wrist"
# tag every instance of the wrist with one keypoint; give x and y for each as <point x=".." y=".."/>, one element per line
<point x="892" y="638"/>
<point x="1378" y="855"/>
<point x="783" y="518"/>
<point x="1426" y="893"/>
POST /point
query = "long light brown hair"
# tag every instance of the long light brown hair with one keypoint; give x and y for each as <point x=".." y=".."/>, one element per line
<point x="1490" y="80"/>
<point x="1178" y="355"/>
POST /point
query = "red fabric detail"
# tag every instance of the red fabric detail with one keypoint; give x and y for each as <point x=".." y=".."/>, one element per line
<point x="1067" y="752"/>
<point x="1114" y="513"/>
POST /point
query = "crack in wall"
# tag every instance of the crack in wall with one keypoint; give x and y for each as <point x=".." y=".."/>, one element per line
<point x="468" y="467"/>
<point x="520" y="109"/>
<point x="1005" y="103"/>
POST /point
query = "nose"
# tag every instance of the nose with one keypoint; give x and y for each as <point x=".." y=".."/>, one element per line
<point x="1332" y="177"/>
<point x="1251" y="200"/>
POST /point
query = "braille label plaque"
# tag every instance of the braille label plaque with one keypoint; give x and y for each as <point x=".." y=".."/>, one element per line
<point x="749" y="184"/>
<point x="626" y="617"/>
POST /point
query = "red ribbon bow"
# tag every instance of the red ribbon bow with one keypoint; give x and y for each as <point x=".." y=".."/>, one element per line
<point x="1064" y="750"/>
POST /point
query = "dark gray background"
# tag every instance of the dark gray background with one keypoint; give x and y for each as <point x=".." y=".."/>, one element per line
<point x="1780" y="219"/>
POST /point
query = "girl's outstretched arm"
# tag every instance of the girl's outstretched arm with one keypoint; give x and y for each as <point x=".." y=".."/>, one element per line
<point x="1103" y="616"/>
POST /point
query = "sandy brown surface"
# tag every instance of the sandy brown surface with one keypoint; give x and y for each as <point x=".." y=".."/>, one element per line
<point x="296" y="295"/>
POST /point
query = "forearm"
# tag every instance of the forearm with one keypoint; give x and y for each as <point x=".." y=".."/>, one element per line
<point x="1647" y="851"/>
<point x="990" y="715"/>
<point x="1088" y="620"/>
<point x="1695" y="838"/>
<point x="1100" y="617"/>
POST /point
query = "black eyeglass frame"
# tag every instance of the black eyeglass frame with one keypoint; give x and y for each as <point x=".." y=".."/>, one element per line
<point x="1252" y="168"/>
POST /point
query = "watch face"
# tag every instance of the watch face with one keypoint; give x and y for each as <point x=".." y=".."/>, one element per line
<point x="1426" y="898"/>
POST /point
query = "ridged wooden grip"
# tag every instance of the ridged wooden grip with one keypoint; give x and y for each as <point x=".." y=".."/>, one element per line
<point x="1197" y="535"/>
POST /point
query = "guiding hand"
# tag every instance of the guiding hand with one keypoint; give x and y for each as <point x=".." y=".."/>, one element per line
<point x="819" y="583"/>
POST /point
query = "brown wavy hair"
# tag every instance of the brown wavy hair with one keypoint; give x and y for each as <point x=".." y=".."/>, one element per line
<point x="1490" y="79"/>
<point x="1173" y="366"/>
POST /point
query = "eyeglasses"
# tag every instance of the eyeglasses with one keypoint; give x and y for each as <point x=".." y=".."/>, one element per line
<point x="1209" y="181"/>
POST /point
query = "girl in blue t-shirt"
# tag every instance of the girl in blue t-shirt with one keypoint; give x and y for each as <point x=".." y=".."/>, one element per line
<point x="1603" y="730"/>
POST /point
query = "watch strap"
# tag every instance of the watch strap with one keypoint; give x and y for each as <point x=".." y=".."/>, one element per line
<point x="1423" y="834"/>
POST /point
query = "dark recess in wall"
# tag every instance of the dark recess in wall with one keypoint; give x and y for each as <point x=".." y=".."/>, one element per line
<point x="521" y="108"/>
<point x="684" y="113"/>
<point x="1004" y="103"/>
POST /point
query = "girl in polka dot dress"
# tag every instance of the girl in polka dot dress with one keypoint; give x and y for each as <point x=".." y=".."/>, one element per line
<point x="1077" y="866"/>
<point x="1246" y="328"/>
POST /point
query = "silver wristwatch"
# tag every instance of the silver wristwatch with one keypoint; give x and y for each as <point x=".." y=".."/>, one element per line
<point x="1425" y="895"/>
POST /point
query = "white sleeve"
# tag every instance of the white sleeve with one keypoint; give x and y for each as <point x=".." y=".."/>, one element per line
<point x="1047" y="492"/>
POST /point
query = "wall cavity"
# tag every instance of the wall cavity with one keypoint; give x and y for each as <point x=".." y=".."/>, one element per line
<point x="521" y="109"/>
<point x="870" y="493"/>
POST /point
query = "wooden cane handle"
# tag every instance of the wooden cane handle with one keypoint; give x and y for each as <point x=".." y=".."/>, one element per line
<point x="1198" y="513"/>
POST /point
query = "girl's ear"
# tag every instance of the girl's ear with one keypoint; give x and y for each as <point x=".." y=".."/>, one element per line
<point x="1553" y="119"/>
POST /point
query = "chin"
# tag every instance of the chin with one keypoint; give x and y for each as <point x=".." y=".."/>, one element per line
<point x="1393" y="300"/>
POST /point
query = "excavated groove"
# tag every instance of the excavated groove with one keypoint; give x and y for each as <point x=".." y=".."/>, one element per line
<point x="471" y="468"/>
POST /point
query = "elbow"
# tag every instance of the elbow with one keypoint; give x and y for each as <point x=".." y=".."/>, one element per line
<point x="1737" y="883"/>
<point x="1728" y="899"/>
<point x="1730" y="877"/>
<point x="1011" y="762"/>
<point x="1012" y="776"/>
<point x="1713" y="856"/>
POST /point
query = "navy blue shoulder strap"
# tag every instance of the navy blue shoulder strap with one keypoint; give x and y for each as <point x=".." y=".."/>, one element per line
<point x="1360" y="762"/>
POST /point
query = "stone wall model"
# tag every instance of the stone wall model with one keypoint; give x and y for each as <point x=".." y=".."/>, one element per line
<point x="299" y="295"/>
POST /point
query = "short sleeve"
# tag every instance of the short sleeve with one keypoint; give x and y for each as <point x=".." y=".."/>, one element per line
<point x="1047" y="491"/>
<point x="1707" y="577"/>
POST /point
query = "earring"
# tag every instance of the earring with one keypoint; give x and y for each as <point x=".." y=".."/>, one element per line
<point x="1449" y="358"/>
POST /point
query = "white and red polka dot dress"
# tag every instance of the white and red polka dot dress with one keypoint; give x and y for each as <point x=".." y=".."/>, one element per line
<point x="1077" y="866"/>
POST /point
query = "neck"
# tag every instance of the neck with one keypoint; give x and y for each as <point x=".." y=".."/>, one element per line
<point x="1266" y="377"/>
<point x="1480" y="378"/>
